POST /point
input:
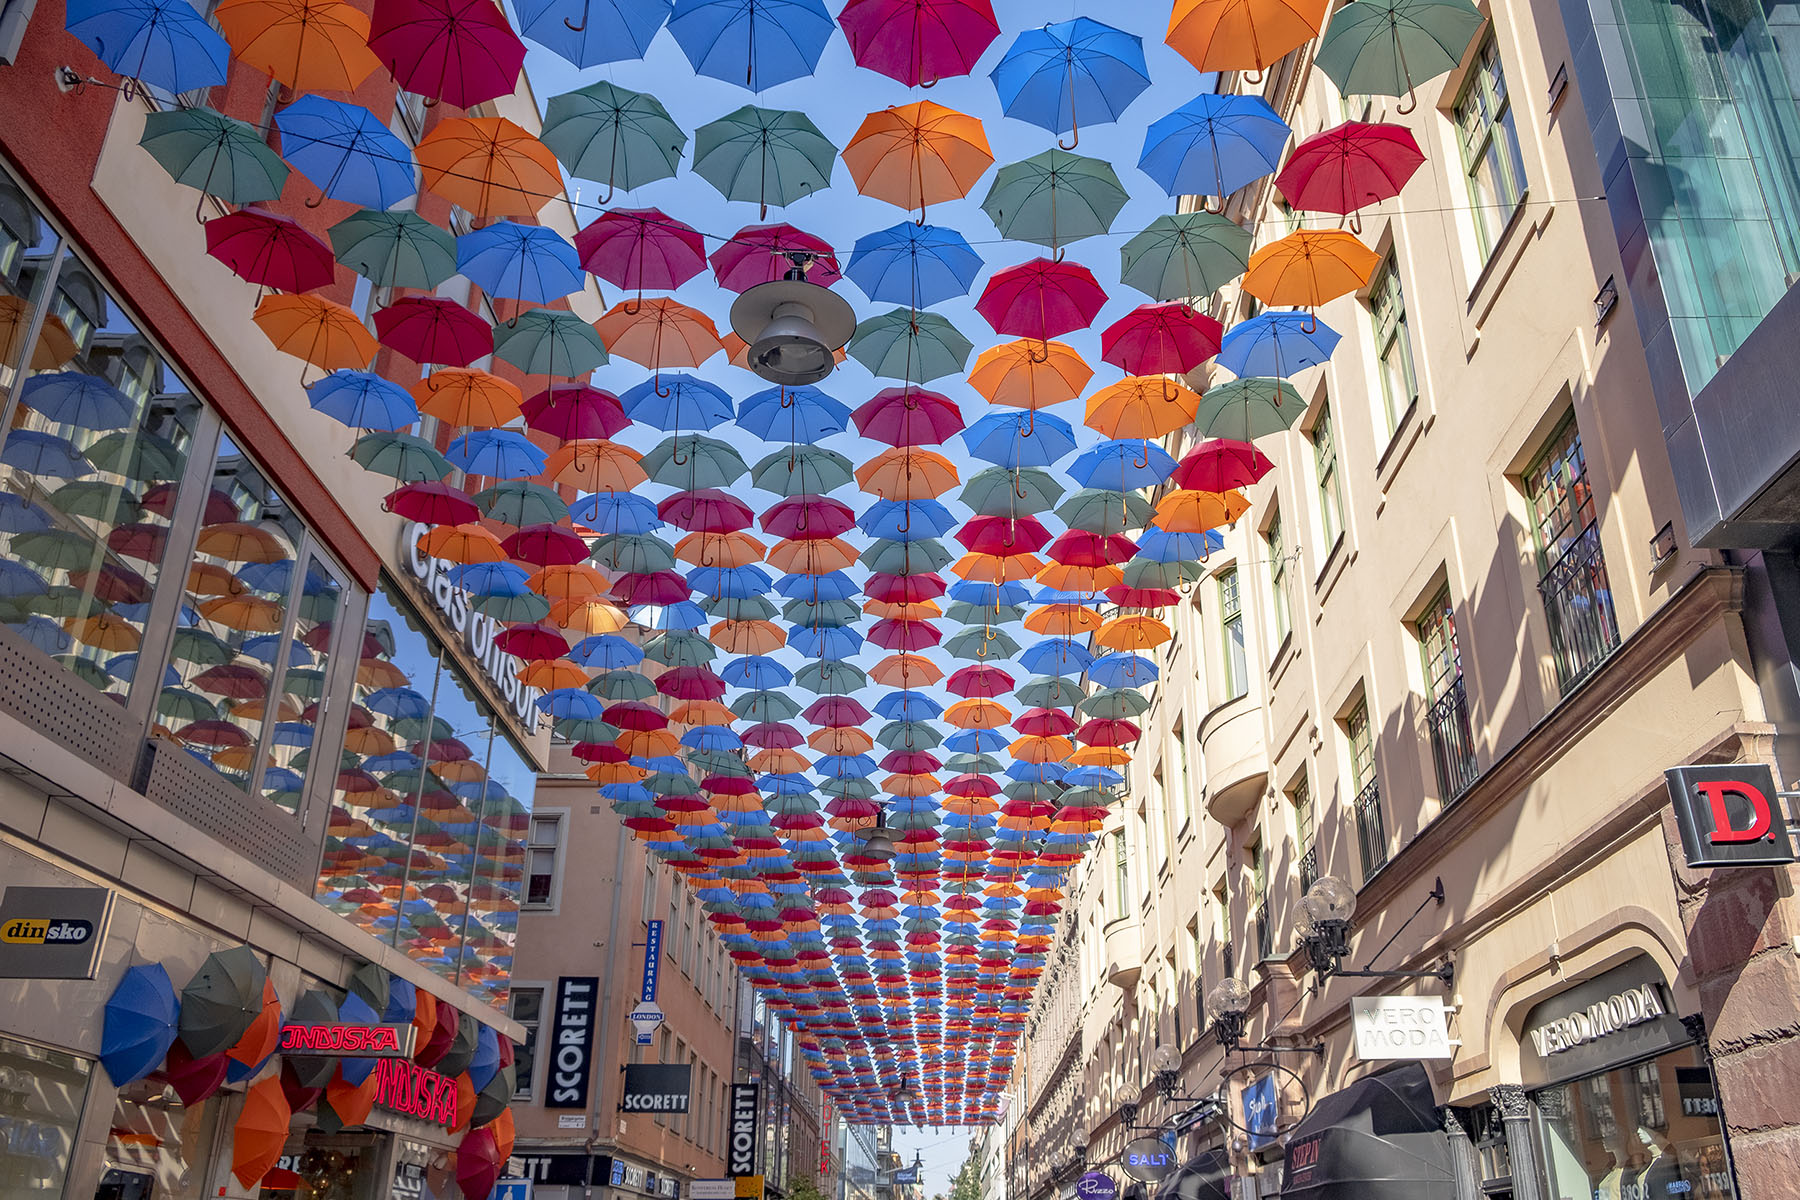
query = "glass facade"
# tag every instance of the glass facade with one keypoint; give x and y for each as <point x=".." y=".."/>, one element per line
<point x="158" y="1148"/>
<point x="41" y="1093"/>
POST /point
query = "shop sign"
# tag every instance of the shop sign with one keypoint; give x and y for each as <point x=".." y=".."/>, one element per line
<point x="1730" y="815"/>
<point x="1618" y="1016"/>
<point x="1096" y="1185"/>
<point x="1695" y="1086"/>
<point x="656" y="1087"/>
<point x="348" y="1041"/>
<point x="645" y="1017"/>
<point x="740" y="1151"/>
<point x="559" y="1169"/>
<point x="1260" y="1114"/>
<point x="413" y="1091"/>
<point x="652" y="960"/>
<point x="572" y="1041"/>
<point x="712" y="1189"/>
<point x="1394" y="1027"/>
<point x="477" y="630"/>
<point x="1147" y="1160"/>
<point x="53" y="932"/>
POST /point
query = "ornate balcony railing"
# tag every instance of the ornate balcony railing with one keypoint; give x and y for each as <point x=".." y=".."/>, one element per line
<point x="1309" y="867"/>
<point x="1371" y="833"/>
<point x="1578" y="606"/>
<point x="1452" y="741"/>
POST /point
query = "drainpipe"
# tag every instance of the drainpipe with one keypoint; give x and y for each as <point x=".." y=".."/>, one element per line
<point x="606" y="1011"/>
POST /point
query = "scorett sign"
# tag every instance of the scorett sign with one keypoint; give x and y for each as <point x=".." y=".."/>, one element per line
<point x="740" y="1147"/>
<point x="656" y="1087"/>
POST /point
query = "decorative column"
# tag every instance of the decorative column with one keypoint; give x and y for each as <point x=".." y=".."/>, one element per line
<point x="1521" y="1144"/>
<point x="1464" y="1162"/>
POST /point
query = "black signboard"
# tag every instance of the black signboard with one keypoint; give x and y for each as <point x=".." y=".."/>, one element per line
<point x="570" y="1049"/>
<point x="1616" y="1017"/>
<point x="1729" y="815"/>
<point x="562" y="1168"/>
<point x="656" y="1088"/>
<point x="740" y="1149"/>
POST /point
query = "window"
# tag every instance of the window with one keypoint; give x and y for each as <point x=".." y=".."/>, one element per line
<point x="689" y="949"/>
<point x="1490" y="148"/>
<point x="1452" y="737"/>
<point x="1300" y="796"/>
<point x="527" y="1008"/>
<point x="1436" y="629"/>
<point x="1393" y="344"/>
<point x="648" y="912"/>
<point x="541" y="856"/>
<point x="1165" y="817"/>
<point x="1571" y="569"/>
<point x="1231" y="629"/>
<point x="1371" y="832"/>
<point x="1325" y="465"/>
<point x="1278" y="577"/>
<point x="1183" y="780"/>
<point x="1121" y="873"/>
<point x="1259" y="899"/>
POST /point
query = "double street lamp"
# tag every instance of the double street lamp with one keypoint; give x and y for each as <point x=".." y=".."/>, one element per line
<point x="1324" y="931"/>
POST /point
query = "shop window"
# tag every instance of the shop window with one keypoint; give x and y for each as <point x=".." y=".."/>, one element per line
<point x="1572" y="580"/>
<point x="157" y="1148"/>
<point x="1493" y="166"/>
<point x="41" y="1095"/>
<point x="527" y="1007"/>
<point x="1231" y="634"/>
<point x="1393" y="344"/>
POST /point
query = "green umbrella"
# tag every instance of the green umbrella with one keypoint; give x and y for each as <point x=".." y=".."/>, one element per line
<point x="221" y="1000"/>
<point x="1246" y="409"/>
<point x="719" y="762"/>
<point x="87" y="671"/>
<point x="802" y="471"/>
<point x="849" y="785"/>
<point x="1049" y="691"/>
<point x="64" y="601"/>
<point x="821" y="614"/>
<point x="586" y="729"/>
<point x="400" y="456"/>
<point x="1098" y="510"/>
<point x="789" y="805"/>
<point x="492" y="1099"/>
<point x="512" y="609"/>
<point x="622" y="685"/>
<point x="612" y="135"/>
<point x="906" y="558"/>
<point x="462" y="1047"/>
<point x="913" y="735"/>
<point x="182" y="704"/>
<point x="308" y="683"/>
<point x="679" y="648"/>
<point x="111" y="503"/>
<point x="636" y="554"/>
<point x="219" y="155"/>
<point x="981" y="645"/>
<point x="831" y="678"/>
<point x="913" y="346"/>
<point x="1116" y="703"/>
<point x="55" y="548"/>
<point x="764" y="156"/>
<point x="966" y="613"/>
<point x="138" y="455"/>
<point x="546" y="341"/>
<point x="394" y="249"/>
<point x="1003" y="491"/>
<point x="1144" y="573"/>
<point x="314" y="1006"/>
<point x="762" y="706"/>
<point x="973" y="764"/>
<point x="371" y="984"/>
<point x="690" y="462"/>
<point x="1055" y="198"/>
<point x="739" y="608"/>
<point x="1183" y="255"/>
<point x="198" y="646"/>
<point x="521" y="502"/>
<point x="1388" y="47"/>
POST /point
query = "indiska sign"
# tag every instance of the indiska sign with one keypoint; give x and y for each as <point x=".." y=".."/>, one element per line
<point x="348" y="1041"/>
<point x="411" y="1090"/>
<point x="1729" y="815"/>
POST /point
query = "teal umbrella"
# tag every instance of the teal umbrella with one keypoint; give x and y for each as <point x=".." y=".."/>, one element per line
<point x="1049" y="691"/>
<point x="196" y="645"/>
<point x="1183" y="255"/>
<point x="587" y="729"/>
<point x="966" y="612"/>
<point x="1116" y="703"/>
<point x="138" y="455"/>
<point x="691" y="462"/>
<point x="739" y="608"/>
<point x="1389" y="47"/>
<point x="110" y="503"/>
<point x="764" y="156"/>
<point x="679" y="648"/>
<point x="633" y="553"/>
<point x="513" y="609"/>
<point x="1004" y="491"/>
<point x="400" y="456"/>
<point x="622" y="685"/>
<point x="612" y="135"/>
<point x="1106" y="512"/>
<point x="219" y="155"/>
<point x="520" y="502"/>
<point x="394" y="249"/>
<point x="546" y="341"/>
<point x="180" y="704"/>
<point x="1055" y="198"/>
<point x="1146" y="573"/>
<point x="1246" y="409"/>
<point x="57" y="548"/>
<point x="802" y="471"/>
<point x="63" y="601"/>
<point x="831" y="678"/>
<point x="821" y="614"/>
<point x="908" y="345"/>
<point x="906" y="558"/>
<point x="981" y="644"/>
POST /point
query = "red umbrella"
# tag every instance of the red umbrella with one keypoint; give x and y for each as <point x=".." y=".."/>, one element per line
<point x="1041" y="299"/>
<point x="1079" y="548"/>
<point x="904" y="589"/>
<point x="919" y="41"/>
<point x="575" y="411"/>
<point x="458" y="51"/>
<point x="1004" y="535"/>
<point x="1041" y="722"/>
<point x="1349" y="167"/>
<point x="429" y="330"/>
<point x="891" y="633"/>
<point x="653" y="587"/>
<point x="1130" y="597"/>
<point x="756" y="254"/>
<point x="981" y="681"/>
<point x="478" y="1162"/>
<point x="546" y="545"/>
<point x="707" y="510"/>
<point x="638" y="248"/>
<point x="836" y="712"/>
<point x="161" y="501"/>
<point x="233" y="680"/>
<point x="808" y="518"/>
<point x="690" y="683"/>
<point x="270" y="250"/>
<point x="908" y="417"/>
<point x="635" y="714"/>
<point x="1161" y="339"/>
<point x="1108" y="731"/>
<point x="139" y="540"/>
<point x="1220" y="465"/>
<point x="433" y="503"/>
<point x="772" y="735"/>
<point x="534" y="641"/>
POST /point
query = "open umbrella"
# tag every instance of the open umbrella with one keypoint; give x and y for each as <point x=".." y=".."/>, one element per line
<point x="471" y="397"/>
<point x="918" y="42"/>
<point x="547" y="341"/>
<point x="1141" y="407"/>
<point x="1309" y="267"/>
<point x="759" y="254"/>
<point x="1029" y="374"/>
<point x="1070" y="72"/>
<point x="139" y="1023"/>
<point x="362" y="400"/>
<point x="909" y="345"/>
<point x="317" y="331"/>
<point x="1041" y="299"/>
<point x="1055" y="198"/>
<point x="270" y="250"/>
<point x="1391" y="46"/>
<point x="1241" y="35"/>
<point x="639" y="248"/>
<point x="1246" y="409"/>
<point x="79" y="399"/>
<point x="590" y="32"/>
<point x="345" y="150"/>
<point x="488" y="165"/>
<point x="914" y="265"/>
<point x="221" y="1000"/>
<point x="1179" y="256"/>
<point x="219" y="155"/>
<point x="429" y="329"/>
<point x="394" y="249"/>
<point x="164" y="43"/>
<point x="1349" y="166"/>
<point x="459" y="51"/>
<point x="659" y="332"/>
<point x="610" y="134"/>
<point x="764" y="156"/>
<point x="1161" y="339"/>
<point x="309" y="45"/>
<point x="1213" y="145"/>
<point x="519" y="262"/>
<point x="1276" y="344"/>
<point x="753" y="45"/>
<point x="1220" y="465"/>
<point x="918" y="154"/>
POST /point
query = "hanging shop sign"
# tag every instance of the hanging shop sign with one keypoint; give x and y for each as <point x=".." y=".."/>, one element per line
<point x="1395" y="1027"/>
<point x="414" y="1091"/>
<point x="572" y="1041"/>
<point x="712" y="1189"/>
<point x="53" y="932"/>
<point x="740" y="1148"/>
<point x="1096" y="1185"/>
<point x="1261" y="1111"/>
<point x="477" y="630"/>
<point x="1147" y="1160"/>
<point x="1618" y="1016"/>
<point x="656" y="1087"/>
<point x="1729" y="815"/>
<point x="337" y="1040"/>
<point x="652" y="960"/>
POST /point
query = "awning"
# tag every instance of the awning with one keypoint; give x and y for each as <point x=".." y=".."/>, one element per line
<point x="1206" y="1176"/>
<point x="1378" y="1139"/>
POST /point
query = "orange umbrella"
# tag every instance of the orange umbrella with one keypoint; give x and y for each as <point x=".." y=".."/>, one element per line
<point x="366" y="740"/>
<point x="1063" y="620"/>
<point x="840" y="741"/>
<point x="993" y="568"/>
<point x="593" y="465"/>
<point x="747" y="637"/>
<point x="561" y="581"/>
<point x="1100" y="756"/>
<point x="978" y="712"/>
<point x="733" y="549"/>
<point x="1132" y="633"/>
<point x="250" y="613"/>
<point x="467" y="396"/>
<point x="917" y="154"/>
<point x="659" y="333"/>
<point x="1195" y="512"/>
<point x="915" y="610"/>
<point x="1141" y="406"/>
<point x="310" y="45"/>
<point x="327" y="335"/>
<point x="1065" y="578"/>
<point x="1241" y="35"/>
<point x="813" y="557"/>
<point x="55" y="346"/>
<point x="1027" y="373"/>
<point x="352" y="1104"/>
<point x="552" y="673"/>
<point x="648" y="743"/>
<point x="907" y="473"/>
<point x="702" y="712"/>
<point x="905" y="671"/>
<point x="489" y="166"/>
<point x="240" y="541"/>
<point x="380" y="673"/>
<point x="463" y="544"/>
<point x="779" y="762"/>
<point x="261" y="1130"/>
<point x="104" y="632"/>
<point x="260" y="1039"/>
<point x="586" y="616"/>
<point x="1309" y="267"/>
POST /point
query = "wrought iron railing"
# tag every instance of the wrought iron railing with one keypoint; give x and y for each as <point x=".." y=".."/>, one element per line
<point x="1578" y="606"/>
<point x="1309" y="867"/>
<point x="1265" y="932"/>
<point x="1371" y="833"/>
<point x="1452" y="741"/>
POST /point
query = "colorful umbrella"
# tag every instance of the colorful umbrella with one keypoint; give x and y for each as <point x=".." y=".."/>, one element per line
<point x="1139" y="407"/>
<point x="139" y="1023"/>
<point x="75" y="398"/>
<point x="1241" y="35"/>
<point x="1069" y="72"/>
<point x="362" y="400"/>
<point x="1309" y="267"/>
<point x="1245" y="409"/>
<point x="327" y="335"/>
<point x="914" y="265"/>
<point x="917" y="154"/>
<point x="216" y="154"/>
<point x="1276" y="344"/>
<point x="1349" y="166"/>
<point x="488" y="165"/>
<point x="1213" y="145"/>
<point x="918" y="42"/>
<point x="1055" y="198"/>
<point x="221" y="1000"/>
<point x="344" y="149"/>
<point x="164" y="43"/>
<point x="639" y="248"/>
<point x="760" y="254"/>
<point x="309" y="45"/>
<point x="610" y="134"/>
<point x="459" y="51"/>
<point x="909" y="345"/>
<point x="551" y="342"/>
<point x="1391" y="46"/>
<point x="591" y="32"/>
<point x="570" y="412"/>
<point x="1041" y="299"/>
<point x="270" y="251"/>
<point x="1180" y="256"/>
<point x="1029" y="374"/>
<point x="519" y="262"/>
<point x="428" y="329"/>
<point x="764" y="156"/>
<point x="469" y="397"/>
<point x="394" y="249"/>
<point x="1161" y="339"/>
<point x="754" y="45"/>
<point x="1220" y="465"/>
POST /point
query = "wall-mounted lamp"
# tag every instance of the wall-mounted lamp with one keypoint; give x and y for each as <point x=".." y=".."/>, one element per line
<point x="1230" y="1005"/>
<point x="1325" y="932"/>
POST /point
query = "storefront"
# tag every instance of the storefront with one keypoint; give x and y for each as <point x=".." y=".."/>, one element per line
<point x="1378" y="1138"/>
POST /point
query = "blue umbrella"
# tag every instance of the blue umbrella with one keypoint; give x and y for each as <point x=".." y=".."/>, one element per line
<point x="835" y="585"/>
<point x="908" y="706"/>
<point x="830" y="643"/>
<point x="403" y="1001"/>
<point x="1027" y="439"/>
<point x="1159" y="545"/>
<point x="605" y="651"/>
<point x="139" y="1025"/>
<point x="1056" y="656"/>
<point x="914" y="265"/>
<point x="799" y="415"/>
<point x="852" y="766"/>
<point x="570" y="702"/>
<point x="756" y="671"/>
<point x="1122" y="669"/>
<point x="501" y="453"/>
<point x="590" y="32"/>
<point x="519" y="262"/>
<point x="757" y="45"/>
<point x="1069" y="73"/>
<point x="356" y="1011"/>
<point x="1122" y="466"/>
<point x="363" y="400"/>
<point x="75" y="398"/>
<point x="609" y="513"/>
<point x="684" y="614"/>
<point x="1276" y="344"/>
<point x="347" y="151"/>
<point x="45" y="634"/>
<point x="1213" y="145"/>
<point x="264" y="647"/>
<point x="976" y="741"/>
<point x="677" y="401"/>
<point x="990" y="595"/>
<point x="19" y="515"/>
<point x="906" y="520"/>
<point x="495" y="579"/>
<point x="165" y="43"/>
<point x="124" y="666"/>
<point x="711" y="737"/>
<point x="44" y="454"/>
<point x="735" y="582"/>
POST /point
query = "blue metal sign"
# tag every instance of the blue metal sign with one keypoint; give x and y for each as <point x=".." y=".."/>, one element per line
<point x="652" y="959"/>
<point x="511" y="1189"/>
<point x="1260" y="1111"/>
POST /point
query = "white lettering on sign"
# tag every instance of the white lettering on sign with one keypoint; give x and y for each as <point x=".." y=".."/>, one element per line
<point x="1634" y="1006"/>
<point x="477" y="630"/>
<point x="1400" y="1027"/>
<point x="655" y="1102"/>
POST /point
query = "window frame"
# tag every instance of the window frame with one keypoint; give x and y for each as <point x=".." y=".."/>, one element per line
<point x="1440" y="655"/>
<point x="1328" y="477"/>
<point x="1393" y="336"/>
<point x="1474" y="129"/>
<point x="1276" y="547"/>
<point x="558" y="819"/>
<point x="1234" y="654"/>
<point x="525" y="1082"/>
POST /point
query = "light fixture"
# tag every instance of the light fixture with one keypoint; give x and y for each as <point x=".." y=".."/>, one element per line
<point x="876" y="842"/>
<point x="1324" y="932"/>
<point x="1230" y="1005"/>
<point x="794" y="328"/>
<point x="1165" y="1060"/>
<point x="904" y="1096"/>
<point x="1128" y="1108"/>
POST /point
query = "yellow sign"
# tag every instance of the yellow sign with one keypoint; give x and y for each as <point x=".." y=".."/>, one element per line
<point x="749" y="1187"/>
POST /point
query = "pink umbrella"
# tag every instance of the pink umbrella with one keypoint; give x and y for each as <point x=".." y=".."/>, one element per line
<point x="1130" y="597"/>
<point x="458" y="51"/>
<point x="808" y="518"/>
<point x="1220" y="465"/>
<point x="534" y="641"/>
<point x="575" y="411"/>
<point x="1041" y="299"/>
<point x="836" y="712"/>
<point x="1349" y="167"/>
<point x="429" y="330"/>
<point x="479" y="1161"/>
<point x="981" y="681"/>
<point x="652" y="587"/>
<point x="690" y="683"/>
<point x="971" y="785"/>
<point x="771" y="735"/>
<point x="635" y="714"/>
<point x="1079" y="548"/>
<point x="904" y="589"/>
<point x="756" y="254"/>
<point x="270" y="250"/>
<point x="638" y="248"/>
<point x="1044" y="722"/>
<point x="918" y="41"/>
<point x="546" y="545"/>
<point x="161" y="501"/>
<point x="1004" y="535"/>
<point x="708" y="510"/>
<point x="1160" y="339"/>
<point x="433" y="503"/>
<point x="891" y="633"/>
<point x="908" y="417"/>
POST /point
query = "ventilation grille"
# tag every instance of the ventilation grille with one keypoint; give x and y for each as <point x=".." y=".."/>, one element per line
<point x="256" y="829"/>
<point x="40" y="693"/>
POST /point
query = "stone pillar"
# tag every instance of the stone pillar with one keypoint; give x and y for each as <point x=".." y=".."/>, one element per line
<point x="1521" y="1140"/>
<point x="1463" y="1159"/>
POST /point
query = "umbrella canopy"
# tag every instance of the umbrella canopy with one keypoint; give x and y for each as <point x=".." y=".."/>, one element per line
<point x="759" y="254"/>
<point x="394" y="249"/>
<point x="1392" y="46"/>
<point x="140" y="1023"/>
<point x="1349" y="166"/>
<point x="918" y="154"/>
<point x="341" y="147"/>
<point x="270" y="250"/>
<point x="1055" y="198"/>
<point x="327" y="335"/>
<point x="1241" y="35"/>
<point x="165" y="43"/>
<point x="488" y="165"/>
<point x="1069" y="73"/>
<point x="519" y="262"/>
<point x="1213" y="145"/>
<point x="459" y="51"/>
<point x="918" y="42"/>
<point x="216" y="154"/>
<point x="638" y="248"/>
<point x="551" y="342"/>
<point x="1245" y="409"/>
<point x="1029" y="374"/>
<point x="753" y="45"/>
<point x="909" y="345"/>
<point x="590" y="32"/>
<point x="1180" y="256"/>
<point x="1041" y="299"/>
<point x="221" y="1000"/>
<point x="1277" y="344"/>
<point x="610" y="134"/>
<point x="428" y="329"/>
<point x="764" y="156"/>
<point x="1161" y="339"/>
<point x="914" y="265"/>
<point x="1309" y="267"/>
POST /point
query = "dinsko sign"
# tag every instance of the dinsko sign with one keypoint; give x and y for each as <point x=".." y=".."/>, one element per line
<point x="1730" y="815"/>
